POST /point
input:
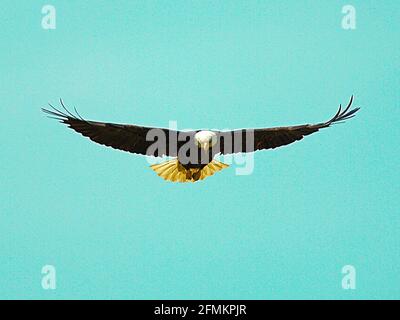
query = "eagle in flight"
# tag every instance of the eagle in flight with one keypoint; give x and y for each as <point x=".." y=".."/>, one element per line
<point x="193" y="152"/>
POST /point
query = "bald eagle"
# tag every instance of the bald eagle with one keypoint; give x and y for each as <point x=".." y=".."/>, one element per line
<point x="193" y="152"/>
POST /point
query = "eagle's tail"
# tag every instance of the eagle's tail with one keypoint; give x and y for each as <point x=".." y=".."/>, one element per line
<point x="174" y="171"/>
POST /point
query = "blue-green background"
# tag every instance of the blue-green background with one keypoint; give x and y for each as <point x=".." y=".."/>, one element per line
<point x="113" y="229"/>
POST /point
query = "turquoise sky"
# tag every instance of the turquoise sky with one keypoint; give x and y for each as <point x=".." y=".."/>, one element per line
<point x="113" y="229"/>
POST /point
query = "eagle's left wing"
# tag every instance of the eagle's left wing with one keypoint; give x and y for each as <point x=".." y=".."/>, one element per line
<point x="249" y="140"/>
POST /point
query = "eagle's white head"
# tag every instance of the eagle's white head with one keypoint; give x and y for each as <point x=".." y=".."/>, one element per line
<point x="205" y="139"/>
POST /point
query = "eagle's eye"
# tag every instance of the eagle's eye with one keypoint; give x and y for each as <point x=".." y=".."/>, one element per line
<point x="213" y="140"/>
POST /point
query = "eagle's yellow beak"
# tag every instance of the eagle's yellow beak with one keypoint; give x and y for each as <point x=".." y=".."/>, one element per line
<point x="205" y="146"/>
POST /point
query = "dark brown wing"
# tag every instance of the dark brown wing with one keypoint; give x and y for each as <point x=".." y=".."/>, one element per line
<point x="249" y="140"/>
<point x="130" y="138"/>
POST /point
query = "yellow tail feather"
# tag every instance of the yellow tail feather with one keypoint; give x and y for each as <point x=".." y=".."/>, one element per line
<point x="174" y="171"/>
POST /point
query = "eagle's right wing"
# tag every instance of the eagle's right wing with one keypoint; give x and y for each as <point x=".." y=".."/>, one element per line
<point x="130" y="138"/>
